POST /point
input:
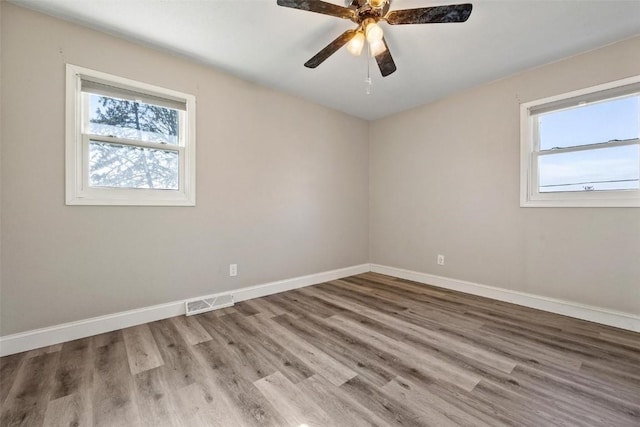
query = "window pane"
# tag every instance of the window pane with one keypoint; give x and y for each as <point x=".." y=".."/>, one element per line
<point x="122" y="166"/>
<point x="613" y="168"/>
<point x="617" y="119"/>
<point x="122" y="118"/>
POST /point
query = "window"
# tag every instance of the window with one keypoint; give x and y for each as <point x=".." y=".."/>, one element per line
<point x="128" y="143"/>
<point x="582" y="148"/>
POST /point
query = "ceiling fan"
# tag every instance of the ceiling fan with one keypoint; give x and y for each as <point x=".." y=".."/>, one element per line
<point x="367" y="14"/>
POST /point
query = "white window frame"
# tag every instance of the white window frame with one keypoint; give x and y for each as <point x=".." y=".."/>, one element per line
<point x="78" y="191"/>
<point x="530" y="151"/>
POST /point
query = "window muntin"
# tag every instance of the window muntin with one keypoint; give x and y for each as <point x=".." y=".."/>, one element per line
<point x="128" y="143"/>
<point x="583" y="148"/>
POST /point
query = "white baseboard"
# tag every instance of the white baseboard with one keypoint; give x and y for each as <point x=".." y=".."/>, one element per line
<point x="614" y="318"/>
<point x="298" y="282"/>
<point x="43" y="337"/>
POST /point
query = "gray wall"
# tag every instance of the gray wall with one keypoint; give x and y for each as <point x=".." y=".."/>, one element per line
<point x="445" y="180"/>
<point x="282" y="186"/>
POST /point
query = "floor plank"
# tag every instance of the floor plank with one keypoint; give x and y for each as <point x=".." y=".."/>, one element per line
<point x="383" y="405"/>
<point x="319" y="361"/>
<point x="414" y="359"/>
<point x="182" y="366"/>
<point x="155" y="398"/>
<point x="229" y="376"/>
<point x="75" y="371"/>
<point x="431" y="409"/>
<point x="9" y="367"/>
<point x="114" y="401"/>
<point x="28" y="398"/>
<point x="69" y="410"/>
<point x="339" y="405"/>
<point x="340" y="347"/>
<point x="297" y="408"/>
<point x="200" y="406"/>
<point x="190" y="329"/>
<point x="142" y="350"/>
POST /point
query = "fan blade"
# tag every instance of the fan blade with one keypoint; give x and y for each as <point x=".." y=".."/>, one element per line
<point x="320" y="7"/>
<point x="430" y="15"/>
<point x="330" y="49"/>
<point x="385" y="61"/>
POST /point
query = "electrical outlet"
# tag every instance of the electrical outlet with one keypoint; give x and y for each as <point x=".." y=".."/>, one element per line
<point x="233" y="270"/>
<point x="440" y="259"/>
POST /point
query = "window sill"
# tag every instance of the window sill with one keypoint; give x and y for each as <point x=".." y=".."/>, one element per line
<point x="600" y="203"/>
<point x="126" y="198"/>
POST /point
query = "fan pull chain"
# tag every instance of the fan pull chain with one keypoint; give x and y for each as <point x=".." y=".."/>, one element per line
<point x="367" y="81"/>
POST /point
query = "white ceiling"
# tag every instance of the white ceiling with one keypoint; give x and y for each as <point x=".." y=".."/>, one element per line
<point x="262" y="42"/>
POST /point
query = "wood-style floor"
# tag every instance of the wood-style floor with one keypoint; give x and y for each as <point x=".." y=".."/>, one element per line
<point x="365" y="350"/>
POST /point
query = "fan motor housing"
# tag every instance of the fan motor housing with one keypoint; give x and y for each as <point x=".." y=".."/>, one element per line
<point x="355" y="4"/>
<point x="364" y="11"/>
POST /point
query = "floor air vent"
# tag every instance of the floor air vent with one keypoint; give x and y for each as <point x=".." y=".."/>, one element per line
<point x="205" y="304"/>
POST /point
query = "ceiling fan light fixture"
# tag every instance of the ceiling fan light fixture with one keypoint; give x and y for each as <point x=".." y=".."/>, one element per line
<point x="376" y="3"/>
<point x="356" y="44"/>
<point x="377" y="48"/>
<point x="373" y="32"/>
